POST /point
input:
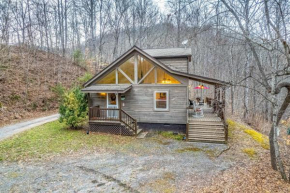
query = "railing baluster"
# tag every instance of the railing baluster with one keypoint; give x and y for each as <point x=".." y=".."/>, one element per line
<point x="110" y="114"/>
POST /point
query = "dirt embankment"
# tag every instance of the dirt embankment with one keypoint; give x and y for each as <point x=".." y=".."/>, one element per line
<point x="27" y="80"/>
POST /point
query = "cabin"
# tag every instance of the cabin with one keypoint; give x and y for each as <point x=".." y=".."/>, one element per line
<point x="149" y="90"/>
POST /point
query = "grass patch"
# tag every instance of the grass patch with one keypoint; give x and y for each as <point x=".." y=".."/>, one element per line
<point x="164" y="184"/>
<point x="259" y="137"/>
<point x="210" y="153"/>
<point x="169" y="134"/>
<point x="13" y="175"/>
<point x="234" y="125"/>
<point x="263" y="140"/>
<point x="54" y="138"/>
<point x="189" y="149"/>
<point x="251" y="152"/>
<point x="160" y="141"/>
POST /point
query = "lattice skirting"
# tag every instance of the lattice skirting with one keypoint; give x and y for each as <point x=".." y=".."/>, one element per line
<point x="112" y="129"/>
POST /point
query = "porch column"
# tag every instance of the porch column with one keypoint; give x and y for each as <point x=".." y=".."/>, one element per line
<point x="223" y="96"/>
<point x="216" y="97"/>
<point x="89" y="100"/>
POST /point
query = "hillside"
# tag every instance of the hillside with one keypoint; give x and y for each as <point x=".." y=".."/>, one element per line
<point x="27" y="80"/>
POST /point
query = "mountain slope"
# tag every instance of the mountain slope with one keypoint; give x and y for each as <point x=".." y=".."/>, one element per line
<point x="27" y="80"/>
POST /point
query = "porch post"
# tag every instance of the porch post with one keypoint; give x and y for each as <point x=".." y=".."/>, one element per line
<point x="223" y="95"/>
<point x="89" y="100"/>
<point x="120" y="106"/>
<point x="224" y="112"/>
<point x="216" y="97"/>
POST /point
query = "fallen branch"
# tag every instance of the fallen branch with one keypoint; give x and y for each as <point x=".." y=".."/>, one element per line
<point x="223" y="151"/>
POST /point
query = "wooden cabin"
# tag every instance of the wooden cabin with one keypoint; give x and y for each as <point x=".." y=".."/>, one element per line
<point x="148" y="90"/>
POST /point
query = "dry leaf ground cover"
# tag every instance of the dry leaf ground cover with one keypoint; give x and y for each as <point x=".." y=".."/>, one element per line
<point x="27" y="80"/>
<point x="53" y="158"/>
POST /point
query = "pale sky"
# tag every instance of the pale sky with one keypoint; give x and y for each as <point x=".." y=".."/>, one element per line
<point x="161" y="5"/>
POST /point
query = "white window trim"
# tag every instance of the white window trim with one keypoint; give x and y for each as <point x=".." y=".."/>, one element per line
<point x="167" y="100"/>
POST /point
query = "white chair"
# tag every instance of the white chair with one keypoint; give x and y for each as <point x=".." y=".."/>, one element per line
<point x="198" y="112"/>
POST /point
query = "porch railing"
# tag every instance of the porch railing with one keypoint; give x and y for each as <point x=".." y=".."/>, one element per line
<point x="111" y="114"/>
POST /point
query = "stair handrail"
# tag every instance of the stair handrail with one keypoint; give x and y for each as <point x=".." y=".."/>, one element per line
<point x="128" y="120"/>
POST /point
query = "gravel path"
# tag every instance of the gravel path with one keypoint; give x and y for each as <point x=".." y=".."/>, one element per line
<point x="10" y="130"/>
<point x="153" y="165"/>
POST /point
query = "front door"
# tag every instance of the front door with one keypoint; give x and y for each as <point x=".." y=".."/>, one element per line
<point x="112" y="103"/>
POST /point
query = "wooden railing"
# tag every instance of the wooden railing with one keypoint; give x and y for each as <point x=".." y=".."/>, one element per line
<point x="219" y="108"/>
<point x="109" y="114"/>
<point x="128" y="120"/>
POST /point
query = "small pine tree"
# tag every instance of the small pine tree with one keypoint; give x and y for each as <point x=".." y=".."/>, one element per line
<point x="73" y="108"/>
<point x="78" y="57"/>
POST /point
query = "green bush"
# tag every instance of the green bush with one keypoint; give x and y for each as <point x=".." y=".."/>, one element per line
<point x="73" y="108"/>
<point x="87" y="76"/>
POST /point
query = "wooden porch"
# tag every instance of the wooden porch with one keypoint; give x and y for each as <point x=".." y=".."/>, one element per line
<point x="210" y="125"/>
<point x="114" y="121"/>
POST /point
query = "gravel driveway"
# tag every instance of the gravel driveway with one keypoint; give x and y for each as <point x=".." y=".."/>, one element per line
<point x="10" y="130"/>
<point x="153" y="165"/>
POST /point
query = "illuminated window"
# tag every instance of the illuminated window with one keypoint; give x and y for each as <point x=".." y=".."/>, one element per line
<point x="150" y="78"/>
<point x="164" y="78"/>
<point x="122" y="79"/>
<point x="128" y="68"/>
<point x="108" y="79"/>
<point x="146" y="73"/>
<point x="161" y="100"/>
<point x="143" y="67"/>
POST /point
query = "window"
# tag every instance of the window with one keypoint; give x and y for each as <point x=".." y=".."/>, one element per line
<point x="143" y="67"/>
<point x="144" y="71"/>
<point x="108" y="79"/>
<point x="150" y="78"/>
<point x="128" y="68"/>
<point x="122" y="79"/>
<point x="161" y="101"/>
<point x="164" y="78"/>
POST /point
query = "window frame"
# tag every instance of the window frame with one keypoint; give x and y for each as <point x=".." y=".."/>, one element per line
<point x="167" y="100"/>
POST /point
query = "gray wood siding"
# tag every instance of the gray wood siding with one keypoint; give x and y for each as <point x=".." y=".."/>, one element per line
<point x="95" y="100"/>
<point x="179" y="64"/>
<point x="139" y="103"/>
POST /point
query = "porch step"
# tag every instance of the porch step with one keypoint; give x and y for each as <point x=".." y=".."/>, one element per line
<point x="206" y="140"/>
<point x="206" y="132"/>
<point x="142" y="135"/>
<point x="207" y="136"/>
<point x="214" y="127"/>
<point x="208" y="123"/>
<point x="139" y="131"/>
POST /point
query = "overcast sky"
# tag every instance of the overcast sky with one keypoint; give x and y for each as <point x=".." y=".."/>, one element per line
<point x="161" y="5"/>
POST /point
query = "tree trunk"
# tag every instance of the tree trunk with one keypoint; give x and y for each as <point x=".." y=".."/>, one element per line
<point x="276" y="161"/>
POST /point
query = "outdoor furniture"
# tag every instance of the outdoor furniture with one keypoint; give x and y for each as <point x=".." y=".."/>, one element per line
<point x="198" y="111"/>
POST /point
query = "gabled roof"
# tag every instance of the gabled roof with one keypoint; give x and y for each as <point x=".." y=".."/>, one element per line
<point x="160" y="64"/>
<point x="169" y="52"/>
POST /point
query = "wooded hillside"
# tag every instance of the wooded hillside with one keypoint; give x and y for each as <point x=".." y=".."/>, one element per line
<point x="30" y="80"/>
<point x="245" y="43"/>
